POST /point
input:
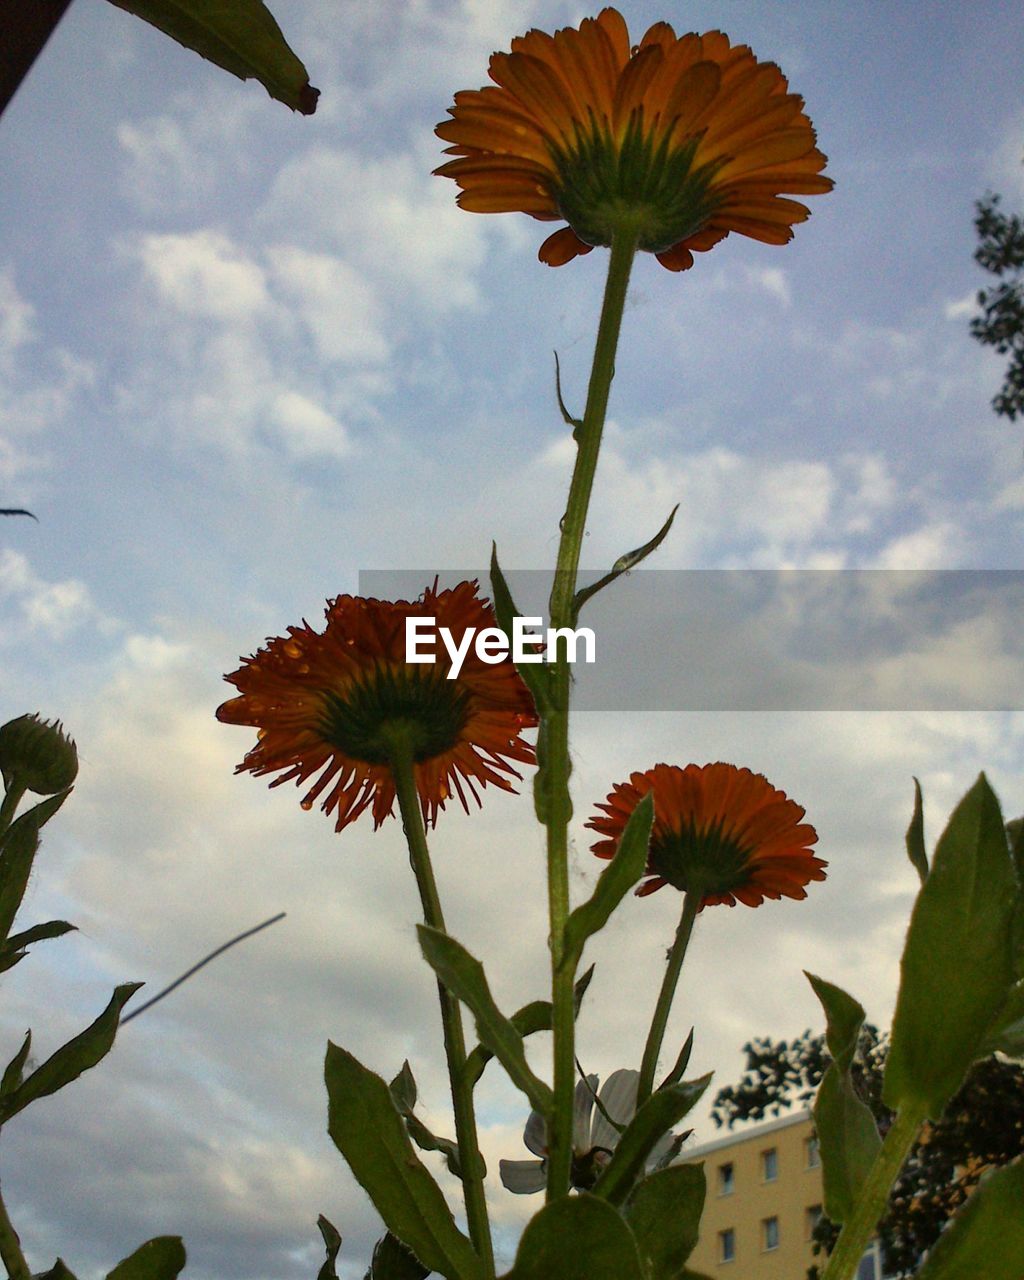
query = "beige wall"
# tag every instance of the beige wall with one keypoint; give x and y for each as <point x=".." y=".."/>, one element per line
<point x="753" y="1200"/>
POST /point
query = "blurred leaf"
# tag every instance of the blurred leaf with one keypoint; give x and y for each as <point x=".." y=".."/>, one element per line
<point x="159" y="1259"/>
<point x="536" y="675"/>
<point x="916" y="851"/>
<point x="239" y="35"/>
<point x="87" y="1049"/>
<point x="368" y="1131"/>
<point x="654" y="1119"/>
<point x="615" y="881"/>
<point x="682" y="1062"/>
<point x="18" y="847"/>
<point x="664" y="1215"/>
<point x="463" y="975"/>
<point x="957" y="965"/>
<point x="1006" y="1035"/>
<point x="623" y="565"/>
<point x="847" y="1134"/>
<point x="985" y="1239"/>
<point x="15" y="950"/>
<point x="332" y="1243"/>
<point x="12" y="1074"/>
<point x="393" y="1261"/>
<point x="577" y="1238"/>
<point x="58" y="1271"/>
<point x="403" y="1089"/>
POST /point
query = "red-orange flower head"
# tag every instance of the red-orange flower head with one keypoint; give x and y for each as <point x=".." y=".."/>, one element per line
<point x="677" y="141"/>
<point x="330" y="703"/>
<point x="725" y="829"/>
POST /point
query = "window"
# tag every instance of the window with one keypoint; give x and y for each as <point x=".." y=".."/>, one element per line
<point x="769" y="1164"/>
<point x="812" y="1155"/>
<point x="871" y="1264"/>
<point x="770" y="1233"/>
<point x="726" y="1181"/>
<point x="726" y="1245"/>
<point x="812" y="1216"/>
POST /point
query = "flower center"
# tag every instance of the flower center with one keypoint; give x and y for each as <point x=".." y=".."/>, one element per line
<point x="710" y="858"/>
<point x="427" y="710"/>
<point x="588" y="1166"/>
<point x="641" y="183"/>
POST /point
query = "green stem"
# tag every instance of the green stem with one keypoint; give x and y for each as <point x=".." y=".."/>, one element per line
<point x="10" y="1248"/>
<point x="874" y="1197"/>
<point x="10" y="804"/>
<point x="451" y="1015"/>
<point x="556" y="763"/>
<point x="691" y="906"/>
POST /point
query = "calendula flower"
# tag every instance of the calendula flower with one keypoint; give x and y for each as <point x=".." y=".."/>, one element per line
<point x="725" y="830"/>
<point x="594" y="1136"/>
<point x="336" y="703"/>
<point x="676" y="141"/>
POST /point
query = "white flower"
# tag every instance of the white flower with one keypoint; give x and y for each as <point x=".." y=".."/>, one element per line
<point x="594" y="1136"/>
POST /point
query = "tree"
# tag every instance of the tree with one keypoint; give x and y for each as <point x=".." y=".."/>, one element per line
<point x="983" y="1127"/>
<point x="1001" y="251"/>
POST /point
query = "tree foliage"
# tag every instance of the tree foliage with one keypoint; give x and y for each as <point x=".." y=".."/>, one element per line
<point x="1001" y="324"/>
<point x="982" y="1128"/>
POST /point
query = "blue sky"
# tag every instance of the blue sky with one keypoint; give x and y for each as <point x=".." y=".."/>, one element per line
<point x="246" y="355"/>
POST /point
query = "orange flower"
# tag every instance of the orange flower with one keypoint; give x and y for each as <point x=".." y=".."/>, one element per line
<point x="330" y="704"/>
<point x="678" y="141"/>
<point x="724" y="829"/>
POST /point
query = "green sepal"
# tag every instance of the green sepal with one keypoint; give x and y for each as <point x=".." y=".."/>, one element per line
<point x="682" y="1062"/>
<point x="985" y="1238"/>
<point x="403" y="1095"/>
<point x="653" y="1120"/>
<point x="623" y="565"/>
<point x="239" y="35"/>
<point x="18" y="847"/>
<point x="367" y="1129"/>
<point x="463" y="975"/>
<point x="86" y="1049"/>
<point x="577" y="1238"/>
<point x="957" y="965"/>
<point x="393" y="1261"/>
<point x="847" y="1134"/>
<point x="664" y="1213"/>
<point x="615" y="881"/>
<point x="59" y="1271"/>
<point x="916" y="851"/>
<point x="332" y="1244"/>
<point x="1006" y="1035"/>
<point x="12" y="1073"/>
<point x="535" y="675"/>
<point x="15" y="948"/>
<point x="160" y="1259"/>
<point x="567" y="418"/>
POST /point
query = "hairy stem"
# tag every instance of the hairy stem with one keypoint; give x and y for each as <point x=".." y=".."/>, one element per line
<point x="676" y="956"/>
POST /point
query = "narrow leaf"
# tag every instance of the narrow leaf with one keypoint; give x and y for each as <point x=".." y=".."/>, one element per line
<point x="682" y="1062"/>
<point x="567" y="418"/>
<point x="624" y="563"/>
<point x="332" y="1243"/>
<point x="464" y="977"/>
<point x="986" y="1237"/>
<point x="159" y="1259"/>
<point x="536" y="675"/>
<point x="620" y="875"/>
<point x="845" y="1017"/>
<point x="18" y="847"/>
<point x="38" y="932"/>
<point x="654" y="1119"/>
<point x="239" y="35"/>
<point x="59" y="1271"/>
<point x="403" y="1090"/>
<point x="577" y="1238"/>
<point x="916" y="851"/>
<point x="393" y="1261"/>
<point x="87" y="1049"/>
<point x="12" y="1074"/>
<point x="957" y="965"/>
<point x="664" y="1215"/>
<point x="370" y="1134"/>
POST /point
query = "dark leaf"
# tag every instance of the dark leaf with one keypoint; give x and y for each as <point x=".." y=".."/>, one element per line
<point x="664" y="1214"/>
<point x="916" y="851"/>
<point x="624" y="563"/>
<point x="577" y="1238"/>
<point x="159" y="1259"/>
<point x="393" y="1261"/>
<point x="332" y="1243"/>
<point x="986" y="1238"/>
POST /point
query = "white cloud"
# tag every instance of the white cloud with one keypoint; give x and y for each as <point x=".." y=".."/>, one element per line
<point x="961" y="308"/>
<point x="339" y="308"/>
<point x="934" y="546"/>
<point x="306" y="428"/>
<point x="55" y="609"/>
<point x="202" y="273"/>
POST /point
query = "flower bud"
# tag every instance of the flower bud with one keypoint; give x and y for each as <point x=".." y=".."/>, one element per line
<point x="37" y="755"/>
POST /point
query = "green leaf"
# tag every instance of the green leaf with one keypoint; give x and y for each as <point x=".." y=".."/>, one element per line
<point x="957" y="965"/>
<point x="664" y="1215"/>
<point x="654" y="1119"/>
<point x="403" y="1089"/>
<point x="159" y="1259"/>
<point x="577" y="1238"/>
<point x="403" y="1095"/>
<point x="393" y="1261"/>
<point x="567" y="418"/>
<point x="682" y="1062"/>
<point x="12" y="1075"/>
<point x="18" y="847"/>
<point x="916" y="851"/>
<point x="464" y="977"/>
<point x="615" y="881"/>
<point x="332" y="1243"/>
<point x="58" y="1271"/>
<point x="1006" y="1035"/>
<point x="239" y="35"/>
<point x="847" y="1134"/>
<point x="536" y="675"/>
<point x="87" y="1049"/>
<point x="623" y="565"/>
<point x="368" y="1131"/>
<point x="985" y="1238"/>
<point x="15" y="950"/>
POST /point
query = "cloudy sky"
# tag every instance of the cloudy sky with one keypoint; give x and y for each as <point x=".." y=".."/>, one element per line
<point x="245" y="356"/>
